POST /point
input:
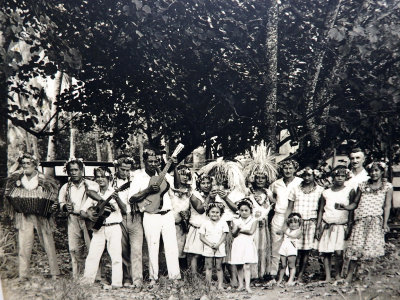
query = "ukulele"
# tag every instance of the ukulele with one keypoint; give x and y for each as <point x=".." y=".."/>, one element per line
<point x="154" y="202"/>
<point x="102" y="210"/>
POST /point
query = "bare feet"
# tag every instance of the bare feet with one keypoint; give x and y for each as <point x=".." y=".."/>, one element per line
<point x="220" y="288"/>
<point x="291" y="283"/>
<point x="248" y="289"/>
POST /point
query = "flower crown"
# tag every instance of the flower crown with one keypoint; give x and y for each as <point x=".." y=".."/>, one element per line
<point x="245" y="201"/>
<point x="27" y="155"/>
<point x="200" y="178"/>
<point x="309" y="171"/>
<point x="72" y="160"/>
<point x="124" y="159"/>
<point x="381" y="164"/>
<point x="346" y="172"/>
<point x="284" y="163"/>
<point x="219" y="205"/>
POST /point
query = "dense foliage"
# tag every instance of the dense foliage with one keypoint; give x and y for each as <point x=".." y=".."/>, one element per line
<point x="191" y="71"/>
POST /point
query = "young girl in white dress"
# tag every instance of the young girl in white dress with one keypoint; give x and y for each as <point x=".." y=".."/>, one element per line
<point x="332" y="223"/>
<point x="244" y="251"/>
<point x="288" y="249"/>
<point x="198" y="204"/>
<point x="213" y="234"/>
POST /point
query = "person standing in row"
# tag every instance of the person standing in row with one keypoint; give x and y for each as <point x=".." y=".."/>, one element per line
<point x="132" y="228"/>
<point x="31" y="185"/>
<point x="72" y="197"/>
<point x="159" y="223"/>
<point x="332" y="224"/>
<point x="372" y="208"/>
<point x="304" y="199"/>
<point x="280" y="190"/>
<point x="109" y="234"/>
<point x="198" y="203"/>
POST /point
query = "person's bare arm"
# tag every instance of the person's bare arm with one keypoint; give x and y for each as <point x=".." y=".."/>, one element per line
<point x="386" y="209"/>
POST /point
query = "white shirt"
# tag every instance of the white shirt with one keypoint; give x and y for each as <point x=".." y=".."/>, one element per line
<point x="77" y="194"/>
<point x="123" y="195"/>
<point x="30" y="184"/>
<point x="115" y="216"/>
<point x="141" y="181"/>
<point x="354" y="181"/>
<point x="281" y="190"/>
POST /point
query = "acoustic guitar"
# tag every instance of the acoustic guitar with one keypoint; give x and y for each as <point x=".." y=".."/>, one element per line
<point x="102" y="210"/>
<point x="154" y="202"/>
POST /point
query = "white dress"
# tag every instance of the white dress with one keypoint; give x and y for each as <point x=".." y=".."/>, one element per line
<point x="244" y="249"/>
<point x="213" y="232"/>
<point x="193" y="243"/>
<point x="334" y="220"/>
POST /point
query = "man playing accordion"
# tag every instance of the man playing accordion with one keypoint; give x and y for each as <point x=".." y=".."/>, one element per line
<point x="30" y="196"/>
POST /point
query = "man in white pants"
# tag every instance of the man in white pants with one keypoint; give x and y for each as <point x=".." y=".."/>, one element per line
<point x="161" y="223"/>
<point x="109" y="232"/>
<point x="280" y="189"/>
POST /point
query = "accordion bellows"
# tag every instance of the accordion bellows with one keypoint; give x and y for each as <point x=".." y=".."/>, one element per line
<point x="38" y="201"/>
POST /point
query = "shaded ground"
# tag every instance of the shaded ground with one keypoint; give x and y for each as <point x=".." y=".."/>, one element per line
<point x="384" y="283"/>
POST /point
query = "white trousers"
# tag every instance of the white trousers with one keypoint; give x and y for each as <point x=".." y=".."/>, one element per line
<point x="276" y="240"/>
<point x="154" y="225"/>
<point x="113" y="235"/>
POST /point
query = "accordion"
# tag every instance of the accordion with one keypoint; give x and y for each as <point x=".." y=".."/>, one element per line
<point x="36" y="202"/>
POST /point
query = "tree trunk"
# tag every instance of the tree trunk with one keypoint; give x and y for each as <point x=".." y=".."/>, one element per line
<point x="110" y="156"/>
<point x="72" y="141"/>
<point x="310" y="92"/>
<point x="3" y="135"/>
<point x="271" y="80"/>
<point x="140" y="142"/>
<point x="98" y="147"/>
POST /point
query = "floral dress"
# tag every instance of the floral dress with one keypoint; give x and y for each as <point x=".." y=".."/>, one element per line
<point x="367" y="238"/>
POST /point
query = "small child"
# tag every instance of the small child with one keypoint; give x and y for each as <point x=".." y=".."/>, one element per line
<point x="288" y="249"/>
<point x="244" y="251"/>
<point x="213" y="234"/>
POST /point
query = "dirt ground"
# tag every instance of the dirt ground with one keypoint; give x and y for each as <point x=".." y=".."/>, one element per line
<point x="383" y="284"/>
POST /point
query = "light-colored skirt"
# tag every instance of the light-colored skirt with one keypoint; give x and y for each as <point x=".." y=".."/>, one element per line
<point x="332" y="238"/>
<point x="193" y="243"/>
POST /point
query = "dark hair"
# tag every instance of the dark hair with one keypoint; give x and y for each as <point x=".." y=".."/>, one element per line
<point x="184" y="170"/>
<point x="291" y="216"/>
<point x="342" y="170"/>
<point x="104" y="171"/>
<point x="124" y="159"/>
<point x="218" y="205"/>
<point x="150" y="151"/>
<point x="74" y="161"/>
<point x="247" y="202"/>
<point x="200" y="178"/>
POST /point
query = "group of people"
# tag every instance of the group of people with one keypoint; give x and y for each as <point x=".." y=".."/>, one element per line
<point x="238" y="217"/>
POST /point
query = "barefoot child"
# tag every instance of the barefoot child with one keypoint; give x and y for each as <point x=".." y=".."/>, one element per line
<point x="332" y="223"/>
<point x="244" y="251"/>
<point x="213" y="234"/>
<point x="288" y="250"/>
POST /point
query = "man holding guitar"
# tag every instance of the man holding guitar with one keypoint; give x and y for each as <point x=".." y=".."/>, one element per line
<point x="159" y="220"/>
<point x="109" y="231"/>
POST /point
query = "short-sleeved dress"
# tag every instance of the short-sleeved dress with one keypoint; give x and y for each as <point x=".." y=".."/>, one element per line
<point x="261" y="236"/>
<point x="334" y="220"/>
<point x="244" y="249"/>
<point x="180" y="201"/>
<point x="193" y="243"/>
<point x="306" y="204"/>
<point x="213" y="232"/>
<point x="367" y="238"/>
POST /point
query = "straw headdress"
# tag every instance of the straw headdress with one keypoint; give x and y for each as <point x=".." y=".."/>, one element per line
<point x="262" y="163"/>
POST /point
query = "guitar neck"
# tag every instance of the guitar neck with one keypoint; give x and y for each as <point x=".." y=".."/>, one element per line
<point x="164" y="172"/>
<point x="121" y="188"/>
